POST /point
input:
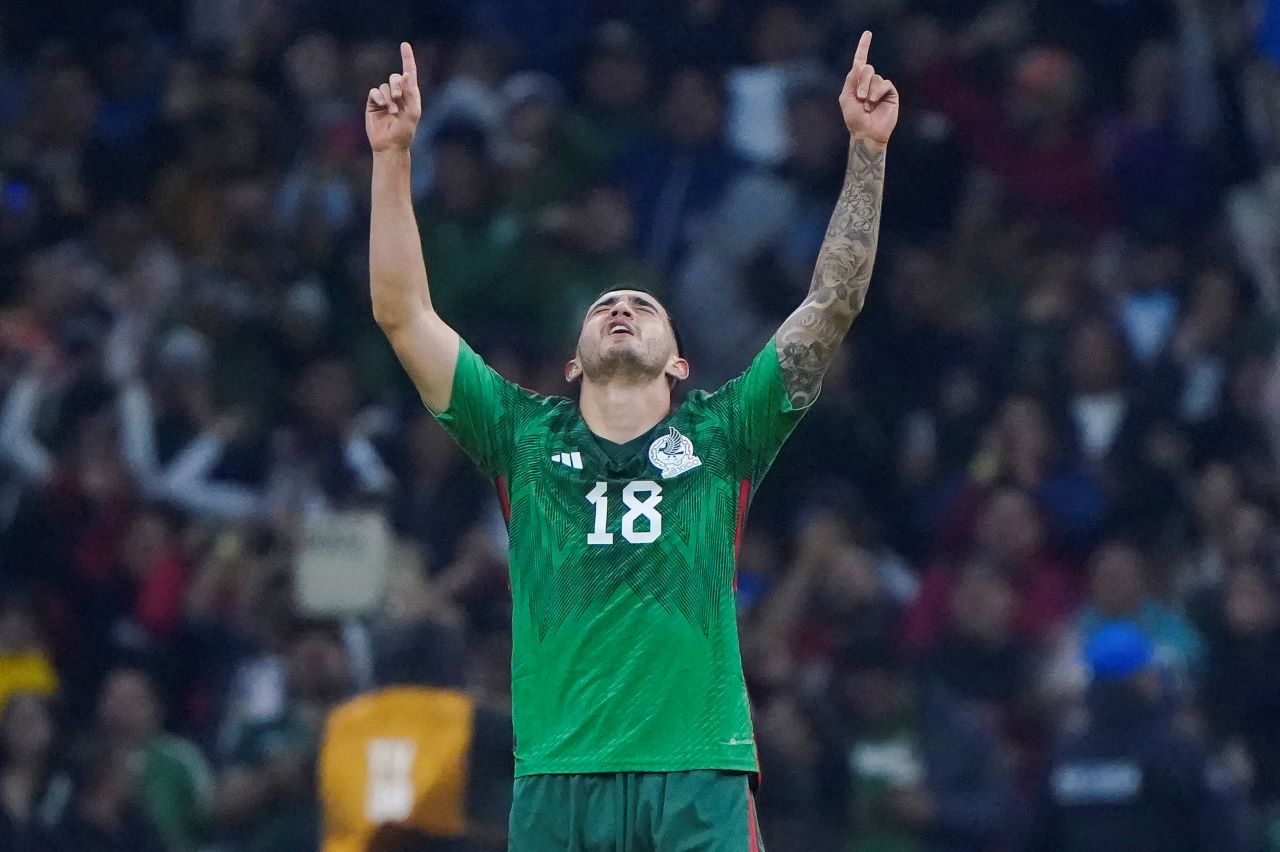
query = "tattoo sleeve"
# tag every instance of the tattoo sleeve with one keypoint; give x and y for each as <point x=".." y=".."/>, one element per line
<point x="808" y="339"/>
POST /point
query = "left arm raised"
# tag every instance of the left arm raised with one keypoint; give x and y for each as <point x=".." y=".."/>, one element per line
<point x="808" y="339"/>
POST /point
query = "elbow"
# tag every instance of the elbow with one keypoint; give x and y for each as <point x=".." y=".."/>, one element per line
<point x="392" y="317"/>
<point x="388" y="317"/>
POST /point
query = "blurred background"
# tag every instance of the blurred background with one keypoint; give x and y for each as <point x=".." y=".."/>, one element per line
<point x="1011" y="585"/>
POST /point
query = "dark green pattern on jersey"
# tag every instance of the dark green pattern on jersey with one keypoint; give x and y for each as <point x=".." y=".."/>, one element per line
<point x="625" y="655"/>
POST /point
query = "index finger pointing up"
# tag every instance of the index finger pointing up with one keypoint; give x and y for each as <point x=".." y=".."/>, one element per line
<point x="410" y="65"/>
<point x="864" y="48"/>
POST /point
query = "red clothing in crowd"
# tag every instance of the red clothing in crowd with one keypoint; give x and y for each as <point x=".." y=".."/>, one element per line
<point x="158" y="606"/>
<point x="1046" y="598"/>
<point x="1059" y="178"/>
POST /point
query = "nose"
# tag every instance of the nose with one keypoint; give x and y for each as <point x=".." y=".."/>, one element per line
<point x="621" y="308"/>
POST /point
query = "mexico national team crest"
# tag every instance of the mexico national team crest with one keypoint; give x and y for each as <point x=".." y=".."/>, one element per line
<point x="672" y="454"/>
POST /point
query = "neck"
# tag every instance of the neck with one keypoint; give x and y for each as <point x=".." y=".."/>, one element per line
<point x="623" y="411"/>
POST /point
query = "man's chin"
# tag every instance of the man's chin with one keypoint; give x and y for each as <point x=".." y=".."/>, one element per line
<point x="620" y="362"/>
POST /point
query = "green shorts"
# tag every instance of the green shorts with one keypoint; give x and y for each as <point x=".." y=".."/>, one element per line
<point x="698" y="811"/>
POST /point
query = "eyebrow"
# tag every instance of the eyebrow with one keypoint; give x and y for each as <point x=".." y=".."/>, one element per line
<point x="613" y="300"/>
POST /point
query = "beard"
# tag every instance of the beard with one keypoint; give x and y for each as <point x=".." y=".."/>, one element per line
<point x="622" y="364"/>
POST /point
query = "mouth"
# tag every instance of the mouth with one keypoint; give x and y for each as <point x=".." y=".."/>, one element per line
<point x="620" y="327"/>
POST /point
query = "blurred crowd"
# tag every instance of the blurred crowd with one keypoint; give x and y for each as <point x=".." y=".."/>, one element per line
<point x="1024" y="547"/>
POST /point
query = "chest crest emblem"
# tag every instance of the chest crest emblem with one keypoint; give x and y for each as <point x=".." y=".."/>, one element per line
<point x="672" y="454"/>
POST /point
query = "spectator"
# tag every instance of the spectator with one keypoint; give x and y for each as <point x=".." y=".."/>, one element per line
<point x="781" y="39"/>
<point x="616" y="85"/>
<point x="118" y="160"/>
<point x="1130" y="777"/>
<point x="25" y="666"/>
<point x="540" y="149"/>
<point x="906" y="768"/>
<point x="174" y="783"/>
<point x="676" y="175"/>
<point x="1105" y="416"/>
<point x="28" y="755"/>
<point x="1021" y="448"/>
<point x="104" y="814"/>
<point x="437" y="497"/>
<point x="1153" y="268"/>
<point x="1251" y="207"/>
<point x="743" y="273"/>
<point x="475" y="244"/>
<point x="589" y="248"/>
<point x="154" y="558"/>
<point x="1122" y="590"/>
<point x="1147" y="152"/>
<point x="52" y="141"/>
<point x="1242" y="688"/>
<point x="467" y="97"/>
<point x="1035" y="140"/>
<point x="834" y="592"/>
<point x="266" y="794"/>
<point x="1215" y="499"/>
<point x="1011" y="533"/>
<point x="1212" y="335"/>
<point x="979" y="659"/>
<point x="459" y="759"/>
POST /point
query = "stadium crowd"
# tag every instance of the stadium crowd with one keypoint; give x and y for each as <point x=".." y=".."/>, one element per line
<point x="1035" y="514"/>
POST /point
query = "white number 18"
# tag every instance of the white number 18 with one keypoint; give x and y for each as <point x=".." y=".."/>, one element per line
<point x="637" y="508"/>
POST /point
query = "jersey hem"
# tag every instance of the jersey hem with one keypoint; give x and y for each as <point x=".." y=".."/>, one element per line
<point x="591" y="766"/>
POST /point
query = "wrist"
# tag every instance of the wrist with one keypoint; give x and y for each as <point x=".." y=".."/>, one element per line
<point x="393" y="156"/>
<point x="873" y="144"/>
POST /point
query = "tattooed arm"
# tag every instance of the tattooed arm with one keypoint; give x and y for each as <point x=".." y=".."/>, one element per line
<point x="808" y="339"/>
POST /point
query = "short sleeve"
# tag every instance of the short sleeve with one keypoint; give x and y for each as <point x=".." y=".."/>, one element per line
<point x="757" y="413"/>
<point x="481" y="409"/>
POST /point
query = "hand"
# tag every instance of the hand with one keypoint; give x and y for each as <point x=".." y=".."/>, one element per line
<point x="392" y="111"/>
<point x="869" y="102"/>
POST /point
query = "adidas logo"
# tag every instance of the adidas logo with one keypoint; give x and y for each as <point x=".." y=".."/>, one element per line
<point x="573" y="460"/>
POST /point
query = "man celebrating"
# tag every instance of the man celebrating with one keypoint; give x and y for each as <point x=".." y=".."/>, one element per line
<point x="631" y="715"/>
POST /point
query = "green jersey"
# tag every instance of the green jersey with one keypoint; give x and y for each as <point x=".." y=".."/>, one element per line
<point x="625" y="644"/>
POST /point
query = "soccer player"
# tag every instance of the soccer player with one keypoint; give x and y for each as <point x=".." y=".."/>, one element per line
<point x="632" y="725"/>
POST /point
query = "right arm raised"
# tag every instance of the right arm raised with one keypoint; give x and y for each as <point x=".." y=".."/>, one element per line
<point x="425" y="345"/>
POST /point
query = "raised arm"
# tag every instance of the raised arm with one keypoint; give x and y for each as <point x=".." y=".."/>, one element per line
<point x="808" y="339"/>
<point x="425" y="345"/>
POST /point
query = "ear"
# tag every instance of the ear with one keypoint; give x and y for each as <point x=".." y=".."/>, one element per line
<point x="572" y="371"/>
<point x="678" y="369"/>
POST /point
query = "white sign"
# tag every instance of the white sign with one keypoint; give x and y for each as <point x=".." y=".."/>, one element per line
<point x="342" y="561"/>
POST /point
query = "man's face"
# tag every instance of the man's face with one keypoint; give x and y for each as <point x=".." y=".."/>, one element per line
<point x="1117" y="583"/>
<point x="1095" y="361"/>
<point x="319" y="667"/>
<point x="1010" y="528"/>
<point x="128" y="706"/>
<point x="692" y="110"/>
<point x="28" y="728"/>
<point x="626" y="336"/>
